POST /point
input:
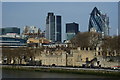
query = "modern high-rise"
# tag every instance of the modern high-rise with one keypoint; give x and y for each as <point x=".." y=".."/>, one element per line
<point x="98" y="22"/>
<point x="71" y="30"/>
<point x="53" y="27"/>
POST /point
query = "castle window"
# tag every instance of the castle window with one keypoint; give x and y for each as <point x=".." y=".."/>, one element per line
<point x="98" y="53"/>
<point x="87" y="59"/>
<point x="95" y="54"/>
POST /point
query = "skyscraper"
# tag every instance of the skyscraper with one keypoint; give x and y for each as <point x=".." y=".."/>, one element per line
<point x="99" y="22"/>
<point x="53" y="27"/>
<point x="71" y="30"/>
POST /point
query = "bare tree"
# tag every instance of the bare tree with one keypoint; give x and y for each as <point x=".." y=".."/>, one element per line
<point x="111" y="44"/>
<point x="86" y="39"/>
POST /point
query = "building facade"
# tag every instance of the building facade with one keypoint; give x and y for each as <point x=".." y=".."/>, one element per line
<point x="98" y="22"/>
<point x="32" y="32"/>
<point x="62" y="58"/>
<point x="53" y="27"/>
<point x="71" y="30"/>
<point x="12" y="42"/>
<point x="84" y="57"/>
<point x="5" y="30"/>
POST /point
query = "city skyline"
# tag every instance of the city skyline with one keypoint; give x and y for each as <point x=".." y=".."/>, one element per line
<point x="25" y="13"/>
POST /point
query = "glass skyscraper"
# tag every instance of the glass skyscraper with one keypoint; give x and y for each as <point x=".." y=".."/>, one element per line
<point x="99" y="22"/>
<point x="53" y="27"/>
<point x="71" y="30"/>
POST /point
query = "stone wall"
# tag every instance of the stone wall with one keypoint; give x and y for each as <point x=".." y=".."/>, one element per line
<point x="76" y="57"/>
<point x="53" y="59"/>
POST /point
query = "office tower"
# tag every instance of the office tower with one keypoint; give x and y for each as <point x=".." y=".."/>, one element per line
<point x="98" y="22"/>
<point x="71" y="30"/>
<point x="53" y="27"/>
<point x="6" y="30"/>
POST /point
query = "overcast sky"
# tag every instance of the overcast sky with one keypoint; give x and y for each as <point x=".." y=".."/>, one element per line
<point x="21" y="14"/>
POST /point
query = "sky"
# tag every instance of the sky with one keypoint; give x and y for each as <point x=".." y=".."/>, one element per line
<point x="59" y="0"/>
<point x="21" y="14"/>
<point x="0" y="14"/>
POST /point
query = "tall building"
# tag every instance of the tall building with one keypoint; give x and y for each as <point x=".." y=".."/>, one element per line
<point x="71" y="30"/>
<point x="98" y="22"/>
<point x="5" y="30"/>
<point x="32" y="32"/>
<point x="53" y="27"/>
